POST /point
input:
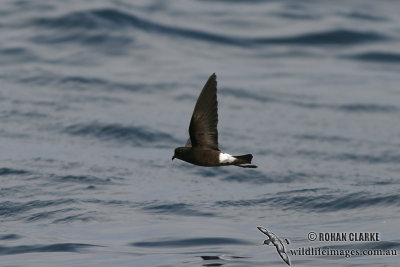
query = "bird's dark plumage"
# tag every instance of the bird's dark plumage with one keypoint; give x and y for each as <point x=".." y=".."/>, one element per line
<point x="203" y="125"/>
<point x="202" y="147"/>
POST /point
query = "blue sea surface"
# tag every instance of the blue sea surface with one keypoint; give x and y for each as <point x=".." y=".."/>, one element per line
<point x="95" y="96"/>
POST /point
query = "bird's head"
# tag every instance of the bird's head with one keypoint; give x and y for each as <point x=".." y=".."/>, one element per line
<point x="179" y="152"/>
<point x="267" y="242"/>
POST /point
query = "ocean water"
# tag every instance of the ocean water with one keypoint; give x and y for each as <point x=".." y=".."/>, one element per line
<point x="95" y="96"/>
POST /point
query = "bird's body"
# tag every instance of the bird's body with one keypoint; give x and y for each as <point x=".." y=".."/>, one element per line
<point x="202" y="147"/>
<point x="210" y="158"/>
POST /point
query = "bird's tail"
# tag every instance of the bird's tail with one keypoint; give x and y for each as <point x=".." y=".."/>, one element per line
<point x="244" y="159"/>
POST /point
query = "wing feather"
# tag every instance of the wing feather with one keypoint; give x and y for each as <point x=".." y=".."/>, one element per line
<point x="203" y="125"/>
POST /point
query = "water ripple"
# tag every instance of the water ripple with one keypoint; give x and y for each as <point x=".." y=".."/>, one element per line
<point x="61" y="247"/>
<point x="9" y="171"/>
<point x="258" y="177"/>
<point x="9" y="208"/>
<point x="190" y="242"/>
<point x="107" y="42"/>
<point x="17" y="55"/>
<point x="350" y="108"/>
<point x="328" y="37"/>
<point x="9" y="237"/>
<point x="322" y="138"/>
<point x="176" y="209"/>
<point x="138" y="136"/>
<point x="384" y="157"/>
<point x="373" y="108"/>
<point x="115" y="19"/>
<point x="327" y="202"/>
<point x="47" y="214"/>
<point x="362" y="16"/>
<point x="376" y="56"/>
<point x="83" y="217"/>
<point x="83" y="179"/>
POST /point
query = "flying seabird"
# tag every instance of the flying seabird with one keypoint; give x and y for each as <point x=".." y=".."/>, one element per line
<point x="277" y="242"/>
<point x="202" y="146"/>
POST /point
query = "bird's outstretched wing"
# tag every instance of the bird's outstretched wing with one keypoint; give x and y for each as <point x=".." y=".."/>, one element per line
<point x="284" y="257"/>
<point x="203" y="125"/>
<point x="264" y="231"/>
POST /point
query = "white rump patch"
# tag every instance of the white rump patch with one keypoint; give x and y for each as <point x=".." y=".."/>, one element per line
<point x="226" y="158"/>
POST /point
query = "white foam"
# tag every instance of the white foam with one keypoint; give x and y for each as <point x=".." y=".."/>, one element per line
<point x="226" y="158"/>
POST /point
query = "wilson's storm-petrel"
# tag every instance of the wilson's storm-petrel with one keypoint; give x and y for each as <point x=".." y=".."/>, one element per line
<point x="202" y="147"/>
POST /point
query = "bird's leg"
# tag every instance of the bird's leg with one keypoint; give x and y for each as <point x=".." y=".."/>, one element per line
<point x="246" y="166"/>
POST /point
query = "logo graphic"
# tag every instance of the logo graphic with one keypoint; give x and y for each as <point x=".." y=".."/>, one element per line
<point x="277" y="242"/>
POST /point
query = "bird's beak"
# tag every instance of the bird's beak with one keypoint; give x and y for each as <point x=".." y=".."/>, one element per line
<point x="173" y="157"/>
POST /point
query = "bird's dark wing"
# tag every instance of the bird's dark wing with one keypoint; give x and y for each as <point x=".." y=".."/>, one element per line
<point x="203" y="126"/>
